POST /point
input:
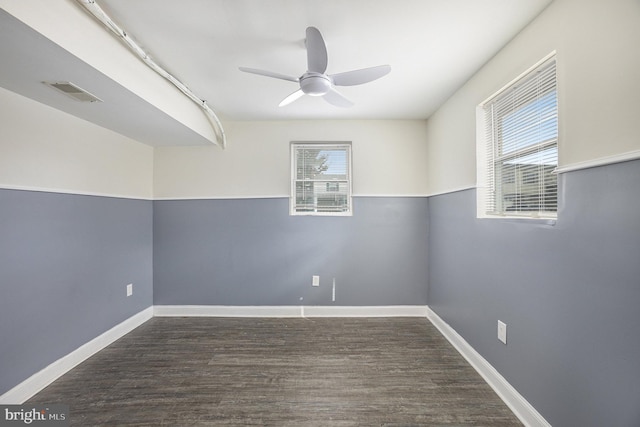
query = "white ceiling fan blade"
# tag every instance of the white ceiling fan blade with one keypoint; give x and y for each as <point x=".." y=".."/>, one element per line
<point x="335" y="98"/>
<point x="316" y="51"/>
<point x="289" y="99"/>
<point x="358" y="77"/>
<point x="269" y="74"/>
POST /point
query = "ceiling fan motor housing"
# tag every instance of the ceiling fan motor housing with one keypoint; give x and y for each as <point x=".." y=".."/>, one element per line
<point x="315" y="84"/>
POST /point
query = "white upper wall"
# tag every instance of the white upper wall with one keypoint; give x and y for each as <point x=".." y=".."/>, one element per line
<point x="42" y="148"/>
<point x="598" y="63"/>
<point x="389" y="159"/>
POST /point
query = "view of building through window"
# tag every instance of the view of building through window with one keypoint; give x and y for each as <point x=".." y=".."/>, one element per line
<point x="321" y="179"/>
<point x="528" y="156"/>
<point x="521" y="142"/>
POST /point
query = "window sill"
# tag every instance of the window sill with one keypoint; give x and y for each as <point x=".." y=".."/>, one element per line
<point x="325" y="214"/>
<point x="522" y="220"/>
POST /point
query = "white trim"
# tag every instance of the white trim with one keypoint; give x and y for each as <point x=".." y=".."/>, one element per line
<point x="288" y="311"/>
<point x="283" y="196"/>
<point x="366" y="311"/>
<point x="286" y="196"/>
<point x="225" y="311"/>
<point x="453" y="190"/>
<point x="245" y="197"/>
<point x="72" y="192"/>
<point x="602" y="161"/>
<point x="38" y="381"/>
<point x="516" y="402"/>
<point x="425" y="195"/>
<point x="399" y="195"/>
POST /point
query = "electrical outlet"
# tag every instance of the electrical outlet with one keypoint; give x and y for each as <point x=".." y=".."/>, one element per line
<point x="502" y="332"/>
<point x="315" y="281"/>
<point x="130" y="289"/>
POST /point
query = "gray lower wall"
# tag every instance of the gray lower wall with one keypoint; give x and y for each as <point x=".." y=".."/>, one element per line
<point x="65" y="261"/>
<point x="251" y="252"/>
<point x="569" y="293"/>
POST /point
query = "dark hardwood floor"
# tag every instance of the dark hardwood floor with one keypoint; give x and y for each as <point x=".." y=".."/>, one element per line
<point x="279" y="372"/>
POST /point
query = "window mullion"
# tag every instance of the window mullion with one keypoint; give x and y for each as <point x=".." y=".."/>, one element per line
<point x="527" y="150"/>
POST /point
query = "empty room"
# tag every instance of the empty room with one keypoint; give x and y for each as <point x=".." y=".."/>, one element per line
<point x="320" y="213"/>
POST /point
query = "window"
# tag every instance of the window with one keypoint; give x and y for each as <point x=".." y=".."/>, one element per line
<point x="518" y="147"/>
<point x="320" y="179"/>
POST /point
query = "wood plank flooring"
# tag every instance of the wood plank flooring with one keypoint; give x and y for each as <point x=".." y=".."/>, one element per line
<point x="388" y="372"/>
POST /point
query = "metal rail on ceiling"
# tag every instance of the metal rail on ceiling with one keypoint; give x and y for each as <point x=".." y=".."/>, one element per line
<point x="101" y="15"/>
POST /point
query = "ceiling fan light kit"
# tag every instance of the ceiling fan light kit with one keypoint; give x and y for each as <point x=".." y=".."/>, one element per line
<point x="315" y="81"/>
<point x="315" y="84"/>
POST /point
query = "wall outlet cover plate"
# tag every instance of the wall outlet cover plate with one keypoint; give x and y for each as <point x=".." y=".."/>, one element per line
<point x="502" y="332"/>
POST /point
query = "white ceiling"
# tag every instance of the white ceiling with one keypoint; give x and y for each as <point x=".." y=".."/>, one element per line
<point x="433" y="47"/>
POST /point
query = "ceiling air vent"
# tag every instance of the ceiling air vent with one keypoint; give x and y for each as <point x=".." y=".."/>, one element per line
<point x="73" y="91"/>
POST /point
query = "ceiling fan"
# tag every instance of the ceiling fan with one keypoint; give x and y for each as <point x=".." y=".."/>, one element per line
<point x="316" y="82"/>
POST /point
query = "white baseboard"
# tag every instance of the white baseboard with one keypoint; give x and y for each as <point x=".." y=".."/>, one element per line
<point x="225" y="311"/>
<point x="288" y="311"/>
<point x="46" y="376"/>
<point x="366" y="311"/>
<point x="518" y="404"/>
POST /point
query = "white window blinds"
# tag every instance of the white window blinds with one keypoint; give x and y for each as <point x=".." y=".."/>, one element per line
<point x="521" y="138"/>
<point x="320" y="179"/>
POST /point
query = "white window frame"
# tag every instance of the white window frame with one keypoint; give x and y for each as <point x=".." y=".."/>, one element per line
<point x="342" y="145"/>
<point x="485" y="145"/>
